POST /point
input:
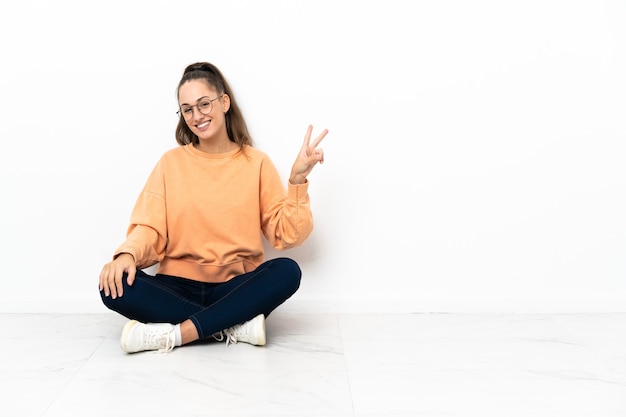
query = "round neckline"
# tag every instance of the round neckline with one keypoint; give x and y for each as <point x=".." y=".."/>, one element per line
<point x="208" y="155"/>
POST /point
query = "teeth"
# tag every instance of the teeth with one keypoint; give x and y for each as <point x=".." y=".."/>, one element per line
<point x="203" y="125"/>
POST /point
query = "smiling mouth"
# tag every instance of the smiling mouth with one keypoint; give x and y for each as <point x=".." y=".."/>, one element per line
<point x="203" y="125"/>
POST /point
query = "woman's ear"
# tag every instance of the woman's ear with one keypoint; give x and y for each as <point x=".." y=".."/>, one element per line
<point x="225" y="103"/>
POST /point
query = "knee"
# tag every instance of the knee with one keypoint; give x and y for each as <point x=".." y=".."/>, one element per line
<point x="290" y="272"/>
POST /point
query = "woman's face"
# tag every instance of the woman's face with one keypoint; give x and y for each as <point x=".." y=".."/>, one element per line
<point x="203" y="109"/>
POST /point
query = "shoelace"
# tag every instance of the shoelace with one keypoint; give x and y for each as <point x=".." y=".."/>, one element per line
<point x="169" y="345"/>
<point x="155" y="337"/>
<point x="230" y="334"/>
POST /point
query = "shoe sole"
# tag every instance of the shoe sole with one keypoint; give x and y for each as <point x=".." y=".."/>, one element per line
<point x="124" y="337"/>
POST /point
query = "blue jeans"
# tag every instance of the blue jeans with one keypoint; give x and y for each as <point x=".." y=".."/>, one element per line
<point x="210" y="306"/>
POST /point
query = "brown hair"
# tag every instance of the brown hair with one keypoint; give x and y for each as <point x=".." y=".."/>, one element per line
<point x="236" y="127"/>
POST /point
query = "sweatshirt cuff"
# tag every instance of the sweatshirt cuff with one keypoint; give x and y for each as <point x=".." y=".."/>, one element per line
<point x="297" y="191"/>
<point x="122" y="250"/>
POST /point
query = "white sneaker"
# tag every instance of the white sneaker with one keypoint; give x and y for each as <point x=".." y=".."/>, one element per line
<point x="252" y="331"/>
<point x="137" y="337"/>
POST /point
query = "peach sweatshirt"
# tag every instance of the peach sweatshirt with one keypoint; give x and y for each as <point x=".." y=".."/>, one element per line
<point x="200" y="216"/>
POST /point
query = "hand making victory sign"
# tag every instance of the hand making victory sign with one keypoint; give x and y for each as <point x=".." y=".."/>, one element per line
<point x="308" y="157"/>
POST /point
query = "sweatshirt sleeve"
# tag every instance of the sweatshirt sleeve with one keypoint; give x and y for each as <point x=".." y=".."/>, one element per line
<point x="286" y="218"/>
<point x="146" y="237"/>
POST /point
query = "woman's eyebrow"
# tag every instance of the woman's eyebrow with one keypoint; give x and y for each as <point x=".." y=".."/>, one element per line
<point x="186" y="104"/>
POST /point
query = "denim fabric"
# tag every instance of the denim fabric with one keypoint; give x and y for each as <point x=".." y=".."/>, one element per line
<point x="210" y="306"/>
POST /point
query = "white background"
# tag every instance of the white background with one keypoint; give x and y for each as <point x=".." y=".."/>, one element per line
<point x="475" y="160"/>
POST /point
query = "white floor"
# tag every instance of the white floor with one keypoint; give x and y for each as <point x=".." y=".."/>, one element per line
<point x="323" y="365"/>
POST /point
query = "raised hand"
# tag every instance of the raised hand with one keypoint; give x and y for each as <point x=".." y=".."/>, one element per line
<point x="308" y="157"/>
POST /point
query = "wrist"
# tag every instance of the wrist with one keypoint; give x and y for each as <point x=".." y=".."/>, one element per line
<point x="124" y="254"/>
<point x="297" y="180"/>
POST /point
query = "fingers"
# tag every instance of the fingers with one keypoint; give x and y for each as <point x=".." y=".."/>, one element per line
<point x="109" y="283"/>
<point x="319" y="153"/>
<point x="310" y="151"/>
<point x="131" y="275"/>
<point x="104" y="280"/>
<point x="318" y="139"/>
<point x="118" y="289"/>
<point x="111" y="279"/>
<point x="308" y="156"/>
<point x="307" y="139"/>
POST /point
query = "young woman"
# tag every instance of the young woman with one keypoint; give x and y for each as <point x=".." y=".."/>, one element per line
<point x="201" y="216"/>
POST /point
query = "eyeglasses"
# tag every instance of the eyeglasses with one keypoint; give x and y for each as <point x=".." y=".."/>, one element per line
<point x="204" y="106"/>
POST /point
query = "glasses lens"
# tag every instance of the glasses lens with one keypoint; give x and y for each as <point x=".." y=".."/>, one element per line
<point x="205" y="106"/>
<point x="186" y="112"/>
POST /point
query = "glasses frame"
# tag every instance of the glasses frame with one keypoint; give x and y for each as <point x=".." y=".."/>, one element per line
<point x="181" y="113"/>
